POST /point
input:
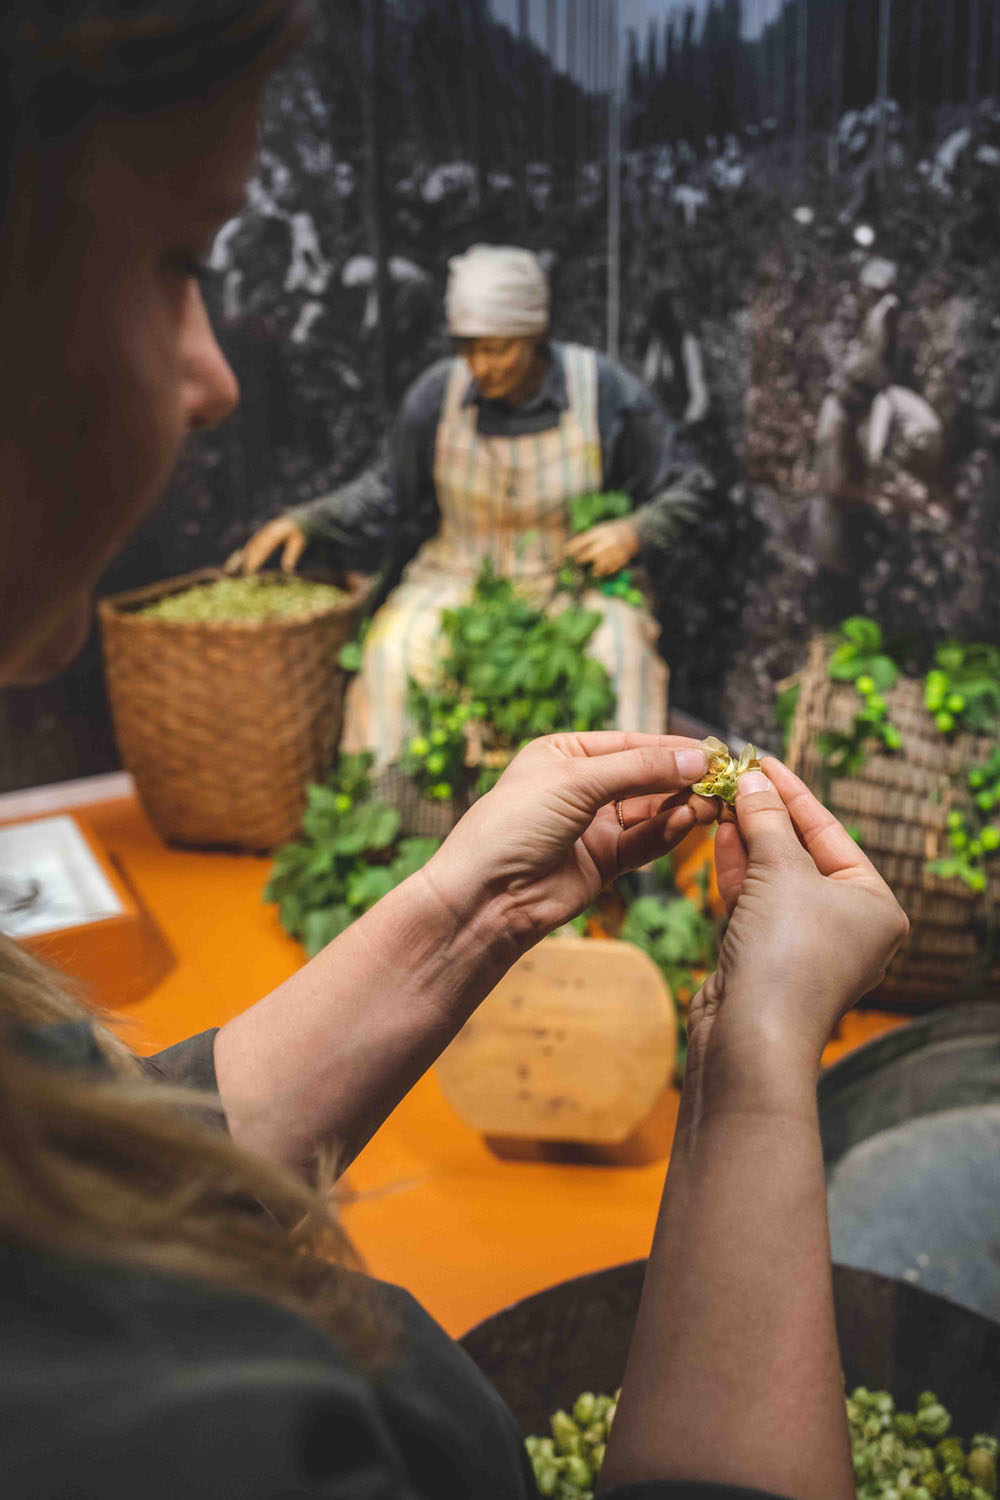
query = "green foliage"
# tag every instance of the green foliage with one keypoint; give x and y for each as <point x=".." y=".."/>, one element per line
<point x="678" y="935"/>
<point x="350" y="656"/>
<point x="589" y="510"/>
<point x="785" y="705"/>
<point x="567" y="1464"/>
<point x="266" y="596"/>
<point x="897" y="1455"/>
<point x="585" y="512"/>
<point x="902" y="1455"/>
<point x="509" y="673"/>
<point x="860" y="654"/>
<point x="349" y="857"/>
<point x="620" y="586"/>
<point x="973" y="829"/>
<point x="859" y="657"/>
<point x="962" y="691"/>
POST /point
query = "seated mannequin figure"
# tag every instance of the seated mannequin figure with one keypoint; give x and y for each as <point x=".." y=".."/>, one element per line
<point x="488" y="451"/>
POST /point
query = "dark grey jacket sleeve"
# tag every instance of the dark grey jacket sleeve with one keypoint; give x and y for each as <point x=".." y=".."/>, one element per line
<point x="388" y="511"/>
<point x="190" y="1063"/>
<point x="640" y="457"/>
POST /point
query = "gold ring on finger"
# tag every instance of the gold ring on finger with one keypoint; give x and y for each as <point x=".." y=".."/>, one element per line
<point x="621" y="815"/>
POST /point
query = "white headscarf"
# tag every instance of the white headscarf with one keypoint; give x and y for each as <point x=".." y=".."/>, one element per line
<point x="496" y="291"/>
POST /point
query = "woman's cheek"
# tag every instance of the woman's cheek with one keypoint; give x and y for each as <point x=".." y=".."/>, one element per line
<point x="67" y="629"/>
<point x="141" y="407"/>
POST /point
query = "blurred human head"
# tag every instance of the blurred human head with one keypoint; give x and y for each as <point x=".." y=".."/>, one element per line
<point x="132" y="126"/>
<point x="497" y="307"/>
<point x="505" y="369"/>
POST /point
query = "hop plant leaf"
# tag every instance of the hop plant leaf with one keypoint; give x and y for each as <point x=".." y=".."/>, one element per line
<point x="349" y="856"/>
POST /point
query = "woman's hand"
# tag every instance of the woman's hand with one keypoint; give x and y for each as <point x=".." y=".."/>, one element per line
<point x="813" y="927"/>
<point x="546" y="840"/>
<point x="738" y="1296"/>
<point x="282" y="532"/>
<point x="329" y="1054"/>
<point x="605" y="548"/>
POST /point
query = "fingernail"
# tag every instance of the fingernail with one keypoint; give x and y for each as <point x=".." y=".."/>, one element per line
<point x="752" y="781"/>
<point x="691" y="764"/>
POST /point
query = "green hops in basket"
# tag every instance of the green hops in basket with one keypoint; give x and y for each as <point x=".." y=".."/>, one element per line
<point x="235" y="600"/>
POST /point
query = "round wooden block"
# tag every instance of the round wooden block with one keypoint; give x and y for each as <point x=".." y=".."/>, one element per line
<point x="576" y="1043"/>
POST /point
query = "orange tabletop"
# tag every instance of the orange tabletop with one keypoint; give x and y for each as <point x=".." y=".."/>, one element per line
<point x="467" y="1225"/>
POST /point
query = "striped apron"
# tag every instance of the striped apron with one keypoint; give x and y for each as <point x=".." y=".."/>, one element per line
<point x="505" y="498"/>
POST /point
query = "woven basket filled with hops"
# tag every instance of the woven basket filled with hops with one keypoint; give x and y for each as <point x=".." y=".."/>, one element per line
<point x="227" y="699"/>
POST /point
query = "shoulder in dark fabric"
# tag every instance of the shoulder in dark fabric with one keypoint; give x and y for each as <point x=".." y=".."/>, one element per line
<point x="423" y="399"/>
<point x="123" y="1382"/>
<point x="191" y="1062"/>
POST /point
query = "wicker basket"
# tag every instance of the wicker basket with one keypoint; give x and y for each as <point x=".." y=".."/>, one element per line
<point x="899" y="804"/>
<point x="222" y="724"/>
<point x="420" y="817"/>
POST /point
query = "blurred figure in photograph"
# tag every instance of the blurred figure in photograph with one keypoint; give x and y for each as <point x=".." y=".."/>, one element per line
<point x="674" y="362"/>
<point x="879" y="450"/>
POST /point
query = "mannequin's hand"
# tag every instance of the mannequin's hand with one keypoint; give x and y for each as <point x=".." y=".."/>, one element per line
<point x="282" y="532"/>
<point x="813" y="927"/>
<point x="606" y="548"/>
<point x="540" y="846"/>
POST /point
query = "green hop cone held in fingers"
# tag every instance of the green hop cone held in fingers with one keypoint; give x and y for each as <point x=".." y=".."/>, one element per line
<point x="724" y="772"/>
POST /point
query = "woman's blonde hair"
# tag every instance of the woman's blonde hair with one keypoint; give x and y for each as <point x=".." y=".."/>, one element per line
<point x="115" y="1167"/>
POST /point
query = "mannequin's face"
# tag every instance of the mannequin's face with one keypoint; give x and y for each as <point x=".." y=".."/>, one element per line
<point x="508" y="370"/>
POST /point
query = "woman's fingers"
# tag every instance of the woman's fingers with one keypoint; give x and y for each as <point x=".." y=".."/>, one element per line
<point x="636" y="810"/>
<point x="633" y="773"/>
<point x="655" y="825"/>
<point x="730" y="864"/>
<point x="765" y="823"/>
<point x="655" y="837"/>
<point x="833" y="850"/>
<point x="599" y="742"/>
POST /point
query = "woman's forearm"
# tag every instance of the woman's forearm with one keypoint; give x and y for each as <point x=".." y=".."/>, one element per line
<point x="324" y="1058"/>
<point x="734" y="1371"/>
